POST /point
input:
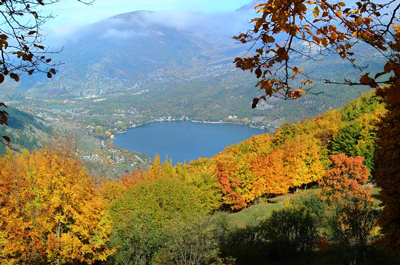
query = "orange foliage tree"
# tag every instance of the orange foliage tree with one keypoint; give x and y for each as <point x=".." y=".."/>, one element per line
<point x="229" y="185"/>
<point x="49" y="211"/>
<point x="346" y="178"/>
<point x="246" y="173"/>
<point x="269" y="171"/>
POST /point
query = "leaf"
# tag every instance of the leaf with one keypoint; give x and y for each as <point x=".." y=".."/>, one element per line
<point x="297" y="70"/>
<point x="316" y="11"/>
<point x="366" y="80"/>
<point x="301" y="90"/>
<point x="15" y="77"/>
<point x="258" y="72"/>
<point x="255" y="102"/>
<point x="30" y="72"/>
<point x="52" y="70"/>
<point x="8" y="139"/>
<point x="1" y="78"/>
<point x="3" y="43"/>
<point x="49" y="75"/>
<point x="388" y="67"/>
<point x="3" y="36"/>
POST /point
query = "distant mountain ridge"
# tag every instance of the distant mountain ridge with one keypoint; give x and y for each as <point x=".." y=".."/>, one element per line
<point x="251" y="5"/>
<point x="131" y="50"/>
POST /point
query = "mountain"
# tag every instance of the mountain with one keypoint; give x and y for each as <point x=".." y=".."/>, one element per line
<point x="160" y="64"/>
<point x="130" y="51"/>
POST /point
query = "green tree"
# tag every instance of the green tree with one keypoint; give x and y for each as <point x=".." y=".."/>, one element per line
<point x="294" y="229"/>
<point x="351" y="223"/>
<point x="141" y="214"/>
<point x="194" y="241"/>
<point x="347" y="140"/>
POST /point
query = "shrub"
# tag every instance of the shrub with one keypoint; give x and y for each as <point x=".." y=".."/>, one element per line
<point x="193" y="241"/>
<point x="351" y="223"/>
<point x="294" y="229"/>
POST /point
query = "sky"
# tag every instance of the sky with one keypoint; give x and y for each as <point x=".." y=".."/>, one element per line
<point x="71" y="11"/>
<point x="71" y="15"/>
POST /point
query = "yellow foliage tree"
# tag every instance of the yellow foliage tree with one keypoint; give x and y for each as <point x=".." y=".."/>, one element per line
<point x="50" y="211"/>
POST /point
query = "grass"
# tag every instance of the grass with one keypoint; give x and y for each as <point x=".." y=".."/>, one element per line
<point x="260" y="211"/>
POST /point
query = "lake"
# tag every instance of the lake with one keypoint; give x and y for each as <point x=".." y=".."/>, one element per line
<point x="183" y="141"/>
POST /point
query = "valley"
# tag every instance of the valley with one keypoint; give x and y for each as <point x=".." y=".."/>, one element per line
<point x="137" y="70"/>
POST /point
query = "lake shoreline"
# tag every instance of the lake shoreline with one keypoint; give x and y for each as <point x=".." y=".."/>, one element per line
<point x="194" y="121"/>
<point x="184" y="140"/>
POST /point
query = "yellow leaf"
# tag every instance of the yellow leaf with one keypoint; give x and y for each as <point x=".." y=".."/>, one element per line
<point x="301" y="91"/>
<point x="316" y="11"/>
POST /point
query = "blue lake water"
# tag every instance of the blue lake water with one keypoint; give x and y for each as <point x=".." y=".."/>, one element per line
<point x="183" y="141"/>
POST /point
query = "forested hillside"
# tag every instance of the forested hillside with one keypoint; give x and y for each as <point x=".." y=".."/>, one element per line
<point x="183" y="214"/>
<point x="25" y="130"/>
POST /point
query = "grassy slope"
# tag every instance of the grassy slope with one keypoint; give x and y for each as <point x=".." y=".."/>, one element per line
<point x="25" y="130"/>
<point x="258" y="212"/>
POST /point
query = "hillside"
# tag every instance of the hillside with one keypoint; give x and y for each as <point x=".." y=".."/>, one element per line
<point x="297" y="155"/>
<point x="260" y="197"/>
<point x="253" y="203"/>
<point x="25" y="130"/>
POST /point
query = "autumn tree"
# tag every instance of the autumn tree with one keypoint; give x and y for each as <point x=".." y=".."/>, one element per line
<point x="50" y="211"/>
<point x="200" y="174"/>
<point x="388" y="174"/>
<point x="323" y="27"/>
<point x="346" y="177"/>
<point x="313" y="29"/>
<point x="229" y="186"/>
<point x="302" y="161"/>
<point x="353" y="215"/>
